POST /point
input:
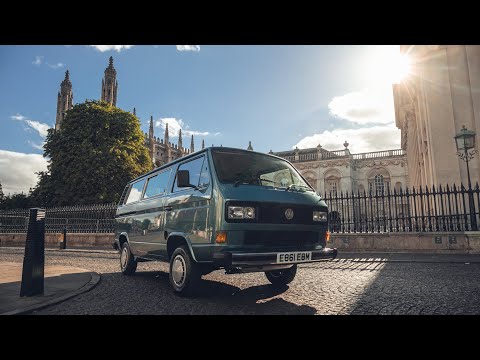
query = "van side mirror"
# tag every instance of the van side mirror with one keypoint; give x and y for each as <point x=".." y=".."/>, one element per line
<point x="183" y="179"/>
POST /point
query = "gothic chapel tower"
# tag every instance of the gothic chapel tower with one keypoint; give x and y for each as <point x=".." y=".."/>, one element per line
<point x="110" y="84"/>
<point x="64" y="101"/>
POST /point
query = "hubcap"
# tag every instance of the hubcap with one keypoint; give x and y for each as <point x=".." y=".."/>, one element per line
<point x="178" y="270"/>
<point x="124" y="257"/>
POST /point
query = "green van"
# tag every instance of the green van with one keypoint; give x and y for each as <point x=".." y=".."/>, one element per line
<point x="222" y="208"/>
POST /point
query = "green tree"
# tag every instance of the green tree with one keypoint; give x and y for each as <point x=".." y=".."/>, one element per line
<point x="97" y="151"/>
<point x="2" y="195"/>
<point x="15" y="201"/>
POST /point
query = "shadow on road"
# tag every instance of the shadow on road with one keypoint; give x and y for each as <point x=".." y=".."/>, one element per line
<point x="216" y="297"/>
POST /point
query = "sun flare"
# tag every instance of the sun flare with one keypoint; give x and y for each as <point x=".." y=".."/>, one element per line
<point x="400" y="68"/>
<point x="387" y="65"/>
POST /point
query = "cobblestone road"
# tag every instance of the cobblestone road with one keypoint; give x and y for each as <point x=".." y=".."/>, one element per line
<point x="339" y="287"/>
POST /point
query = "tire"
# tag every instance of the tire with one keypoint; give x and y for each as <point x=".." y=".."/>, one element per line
<point x="281" y="277"/>
<point x="185" y="274"/>
<point x="128" y="265"/>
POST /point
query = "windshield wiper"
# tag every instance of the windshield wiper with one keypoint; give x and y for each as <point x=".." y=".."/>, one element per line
<point x="293" y="187"/>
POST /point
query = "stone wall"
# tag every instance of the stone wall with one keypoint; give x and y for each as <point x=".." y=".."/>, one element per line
<point x="53" y="240"/>
<point x="435" y="242"/>
<point x="460" y="242"/>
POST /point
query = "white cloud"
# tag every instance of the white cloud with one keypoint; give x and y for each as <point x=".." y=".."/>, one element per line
<point x="375" y="138"/>
<point x="41" y="128"/>
<point x="365" y="106"/>
<point x="36" y="146"/>
<point x="195" y="48"/>
<point x="174" y="125"/>
<point x="118" y="48"/>
<point x="18" y="117"/>
<point x="38" y="60"/>
<point x="17" y="170"/>
<point x="56" y="66"/>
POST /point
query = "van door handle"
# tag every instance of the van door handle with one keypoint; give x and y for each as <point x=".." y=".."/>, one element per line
<point x="168" y="208"/>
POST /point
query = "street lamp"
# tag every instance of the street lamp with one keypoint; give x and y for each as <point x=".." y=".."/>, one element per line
<point x="465" y="140"/>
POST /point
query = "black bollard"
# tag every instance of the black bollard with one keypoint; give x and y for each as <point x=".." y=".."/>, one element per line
<point x="63" y="243"/>
<point x="34" y="258"/>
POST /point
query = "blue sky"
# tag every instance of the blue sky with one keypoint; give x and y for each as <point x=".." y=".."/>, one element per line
<point x="278" y="97"/>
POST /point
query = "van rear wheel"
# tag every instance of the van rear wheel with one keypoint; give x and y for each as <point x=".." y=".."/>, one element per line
<point x="185" y="273"/>
<point x="128" y="265"/>
<point x="282" y="277"/>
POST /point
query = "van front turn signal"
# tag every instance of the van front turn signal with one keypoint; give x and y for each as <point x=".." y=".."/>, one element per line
<point x="221" y="237"/>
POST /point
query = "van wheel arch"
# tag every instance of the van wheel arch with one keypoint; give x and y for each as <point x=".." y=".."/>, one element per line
<point x="174" y="242"/>
<point x="121" y="240"/>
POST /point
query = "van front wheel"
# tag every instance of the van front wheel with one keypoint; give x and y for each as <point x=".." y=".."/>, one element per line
<point x="128" y="265"/>
<point x="185" y="273"/>
<point x="282" y="277"/>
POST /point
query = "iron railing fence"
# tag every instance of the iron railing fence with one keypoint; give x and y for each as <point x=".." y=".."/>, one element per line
<point x="98" y="218"/>
<point x="448" y="208"/>
<point x="425" y="209"/>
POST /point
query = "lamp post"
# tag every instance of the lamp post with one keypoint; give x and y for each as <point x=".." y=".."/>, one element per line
<point x="465" y="140"/>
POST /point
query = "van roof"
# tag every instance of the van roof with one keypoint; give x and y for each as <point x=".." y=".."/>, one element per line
<point x="223" y="148"/>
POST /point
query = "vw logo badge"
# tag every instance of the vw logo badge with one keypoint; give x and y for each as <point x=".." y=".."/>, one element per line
<point x="289" y="214"/>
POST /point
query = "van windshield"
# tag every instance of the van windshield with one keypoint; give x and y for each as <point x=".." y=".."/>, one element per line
<point x="240" y="167"/>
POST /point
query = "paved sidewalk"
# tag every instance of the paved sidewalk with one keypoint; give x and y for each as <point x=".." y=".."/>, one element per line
<point x="61" y="283"/>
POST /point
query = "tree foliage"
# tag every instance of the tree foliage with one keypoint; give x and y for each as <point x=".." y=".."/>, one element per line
<point x="15" y="201"/>
<point x="97" y="151"/>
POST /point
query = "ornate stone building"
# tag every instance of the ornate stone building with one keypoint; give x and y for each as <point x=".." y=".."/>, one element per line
<point x="110" y="84"/>
<point x="339" y="171"/>
<point x="161" y="151"/>
<point x="441" y="94"/>
<point x="64" y="100"/>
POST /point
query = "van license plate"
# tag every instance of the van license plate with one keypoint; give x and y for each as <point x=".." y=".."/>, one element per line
<point x="294" y="257"/>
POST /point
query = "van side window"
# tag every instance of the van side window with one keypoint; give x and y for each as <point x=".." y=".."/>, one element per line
<point x="194" y="167"/>
<point x="157" y="184"/>
<point x="135" y="191"/>
<point x="204" y="176"/>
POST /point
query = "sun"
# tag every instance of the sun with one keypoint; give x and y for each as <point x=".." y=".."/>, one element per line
<point x="387" y="65"/>
<point x="400" y="68"/>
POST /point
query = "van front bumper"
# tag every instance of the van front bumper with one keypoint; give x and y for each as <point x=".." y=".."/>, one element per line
<point x="242" y="260"/>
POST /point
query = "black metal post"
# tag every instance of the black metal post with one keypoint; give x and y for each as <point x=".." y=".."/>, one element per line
<point x="63" y="244"/>
<point x="34" y="257"/>
<point x="471" y="203"/>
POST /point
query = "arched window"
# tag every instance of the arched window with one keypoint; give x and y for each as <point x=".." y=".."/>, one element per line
<point x="398" y="187"/>
<point x="379" y="184"/>
<point x="332" y="182"/>
<point x="379" y="181"/>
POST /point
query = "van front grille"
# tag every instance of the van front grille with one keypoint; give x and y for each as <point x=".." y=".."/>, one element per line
<point x="271" y="213"/>
<point x="297" y="239"/>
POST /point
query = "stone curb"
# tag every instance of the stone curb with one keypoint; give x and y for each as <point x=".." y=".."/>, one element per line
<point x="415" y="261"/>
<point x="94" y="280"/>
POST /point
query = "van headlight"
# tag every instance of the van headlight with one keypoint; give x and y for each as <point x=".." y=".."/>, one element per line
<point x="320" y="216"/>
<point x="241" y="212"/>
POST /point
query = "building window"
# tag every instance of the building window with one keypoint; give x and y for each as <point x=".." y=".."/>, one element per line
<point x="398" y="187"/>
<point x="332" y="187"/>
<point x="379" y="181"/>
<point x="379" y="185"/>
<point x="332" y="182"/>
